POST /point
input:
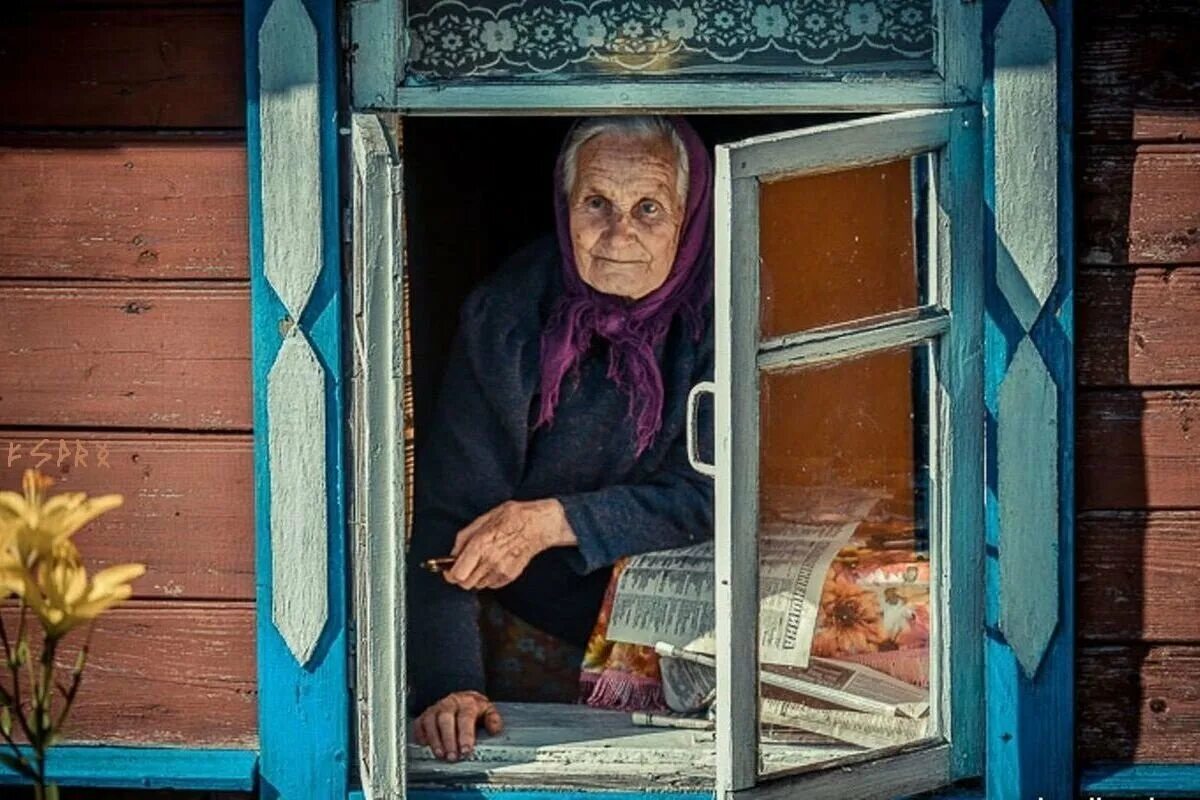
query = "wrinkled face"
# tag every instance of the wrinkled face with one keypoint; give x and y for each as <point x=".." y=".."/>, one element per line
<point x="625" y="214"/>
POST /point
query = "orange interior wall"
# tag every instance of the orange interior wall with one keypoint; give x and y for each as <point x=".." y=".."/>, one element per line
<point x="837" y="247"/>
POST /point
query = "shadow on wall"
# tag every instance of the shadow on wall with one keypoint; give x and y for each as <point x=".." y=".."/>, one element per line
<point x="1138" y="240"/>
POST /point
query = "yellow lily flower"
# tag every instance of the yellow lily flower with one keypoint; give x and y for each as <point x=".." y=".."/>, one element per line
<point x="43" y="528"/>
<point x="63" y="598"/>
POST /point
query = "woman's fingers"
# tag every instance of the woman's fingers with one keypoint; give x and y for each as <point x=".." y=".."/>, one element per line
<point x="446" y="718"/>
<point x="419" y="731"/>
<point x="484" y="566"/>
<point x="495" y="548"/>
<point x="497" y="578"/>
<point x="493" y="723"/>
<point x="468" y="718"/>
<point x="479" y="557"/>
<point x="448" y="728"/>
<point x="468" y="561"/>
<point x="429" y="731"/>
<point x="464" y="536"/>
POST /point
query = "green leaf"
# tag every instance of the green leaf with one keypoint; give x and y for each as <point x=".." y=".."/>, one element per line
<point x="22" y="655"/>
<point x="80" y="660"/>
<point x="6" y="721"/>
<point x="52" y="791"/>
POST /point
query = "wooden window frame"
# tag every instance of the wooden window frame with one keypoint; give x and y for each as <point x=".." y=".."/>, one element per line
<point x="952" y="321"/>
<point x="378" y="32"/>
<point x="1027" y="753"/>
<point x="955" y="283"/>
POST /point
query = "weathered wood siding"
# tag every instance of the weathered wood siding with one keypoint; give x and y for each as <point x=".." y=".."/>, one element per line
<point x="1138" y="168"/>
<point x="124" y="337"/>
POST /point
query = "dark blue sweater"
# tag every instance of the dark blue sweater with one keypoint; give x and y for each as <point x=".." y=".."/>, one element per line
<point x="482" y="450"/>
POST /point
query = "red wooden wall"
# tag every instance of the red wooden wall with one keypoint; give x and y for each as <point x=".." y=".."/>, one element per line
<point x="1138" y="296"/>
<point x="124" y="323"/>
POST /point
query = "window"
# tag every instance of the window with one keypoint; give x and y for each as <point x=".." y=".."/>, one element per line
<point x="880" y="332"/>
<point x="846" y="379"/>
<point x="866" y="331"/>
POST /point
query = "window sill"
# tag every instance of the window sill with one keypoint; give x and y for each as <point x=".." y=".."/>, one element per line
<point x="570" y="746"/>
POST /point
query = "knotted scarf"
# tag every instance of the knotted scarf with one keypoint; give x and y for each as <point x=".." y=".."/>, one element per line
<point x="632" y="329"/>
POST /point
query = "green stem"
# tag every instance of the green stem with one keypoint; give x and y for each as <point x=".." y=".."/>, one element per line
<point x="43" y="697"/>
<point x="76" y="678"/>
<point x="13" y="704"/>
<point x="17" y="707"/>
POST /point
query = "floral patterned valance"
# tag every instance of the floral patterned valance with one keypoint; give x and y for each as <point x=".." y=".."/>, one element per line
<point x="450" y="39"/>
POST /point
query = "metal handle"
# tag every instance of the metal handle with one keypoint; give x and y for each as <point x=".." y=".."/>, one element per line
<point x="693" y="444"/>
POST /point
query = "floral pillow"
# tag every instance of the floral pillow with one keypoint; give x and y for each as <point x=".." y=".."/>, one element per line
<point x="875" y="610"/>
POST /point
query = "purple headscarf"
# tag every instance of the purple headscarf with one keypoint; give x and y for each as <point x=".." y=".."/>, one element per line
<point x="633" y="329"/>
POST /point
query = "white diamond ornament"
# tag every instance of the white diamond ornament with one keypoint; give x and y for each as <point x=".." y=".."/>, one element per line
<point x="289" y="117"/>
<point x="1025" y="111"/>
<point x="1027" y="444"/>
<point x="299" y="514"/>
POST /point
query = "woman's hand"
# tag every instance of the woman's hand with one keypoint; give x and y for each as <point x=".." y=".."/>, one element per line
<point x="448" y="726"/>
<point x="495" y="549"/>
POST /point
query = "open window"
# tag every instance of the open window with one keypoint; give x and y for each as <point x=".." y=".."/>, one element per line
<point x="848" y="286"/>
<point x="847" y="405"/>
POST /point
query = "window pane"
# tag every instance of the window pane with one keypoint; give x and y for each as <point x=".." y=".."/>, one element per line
<point x="842" y="245"/>
<point x="653" y="38"/>
<point x="843" y="510"/>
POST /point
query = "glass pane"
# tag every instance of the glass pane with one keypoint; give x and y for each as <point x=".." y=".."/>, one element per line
<point x="844" y="557"/>
<point x="652" y="38"/>
<point x="842" y="245"/>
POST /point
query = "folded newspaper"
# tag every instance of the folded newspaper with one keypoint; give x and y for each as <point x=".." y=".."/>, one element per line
<point x="666" y="600"/>
<point x="835" y="699"/>
<point x="667" y="596"/>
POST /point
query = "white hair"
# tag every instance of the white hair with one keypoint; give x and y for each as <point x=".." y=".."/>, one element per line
<point x="642" y="128"/>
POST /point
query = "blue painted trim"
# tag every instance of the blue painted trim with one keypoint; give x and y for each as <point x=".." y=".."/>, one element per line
<point x="489" y="793"/>
<point x="1141" y="780"/>
<point x="105" y="767"/>
<point x="1031" y="723"/>
<point x="304" y="712"/>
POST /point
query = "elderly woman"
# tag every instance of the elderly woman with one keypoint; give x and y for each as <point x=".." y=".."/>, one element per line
<point x="558" y="445"/>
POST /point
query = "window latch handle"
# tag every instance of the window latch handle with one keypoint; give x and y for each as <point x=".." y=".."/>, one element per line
<point x="693" y="436"/>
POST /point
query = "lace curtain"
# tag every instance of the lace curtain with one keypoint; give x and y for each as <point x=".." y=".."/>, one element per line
<point x="495" y="39"/>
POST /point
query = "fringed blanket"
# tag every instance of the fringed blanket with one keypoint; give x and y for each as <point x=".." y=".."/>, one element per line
<point x="619" y="675"/>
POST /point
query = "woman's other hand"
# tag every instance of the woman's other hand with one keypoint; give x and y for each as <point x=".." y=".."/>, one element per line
<point x="448" y="726"/>
<point x="494" y="550"/>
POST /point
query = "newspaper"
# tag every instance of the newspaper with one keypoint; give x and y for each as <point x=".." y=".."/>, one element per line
<point x="688" y="687"/>
<point x="853" y="727"/>
<point x="828" y="681"/>
<point x="667" y="596"/>
<point x="830" y="699"/>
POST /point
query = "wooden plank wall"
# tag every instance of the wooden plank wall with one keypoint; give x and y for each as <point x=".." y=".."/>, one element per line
<point x="1138" y="173"/>
<point x="124" y="327"/>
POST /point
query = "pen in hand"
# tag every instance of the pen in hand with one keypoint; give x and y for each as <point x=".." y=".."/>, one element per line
<point x="437" y="565"/>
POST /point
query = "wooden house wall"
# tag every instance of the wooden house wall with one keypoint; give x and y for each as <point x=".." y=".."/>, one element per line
<point x="124" y="325"/>
<point x="1138" y="300"/>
